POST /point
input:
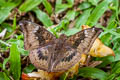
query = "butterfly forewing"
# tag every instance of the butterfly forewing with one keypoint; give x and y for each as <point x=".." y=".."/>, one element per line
<point x="84" y="39"/>
<point x="35" y="35"/>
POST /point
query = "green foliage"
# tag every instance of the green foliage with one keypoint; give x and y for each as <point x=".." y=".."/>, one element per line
<point x="84" y="6"/>
<point x="64" y="76"/>
<point x="29" y="5"/>
<point x="62" y="7"/>
<point x="115" y="72"/>
<point x="98" y="12"/>
<point x="92" y="73"/>
<point x="3" y="76"/>
<point x="15" y="61"/>
<point x="47" y="6"/>
<point x="5" y="8"/>
<point x="82" y="19"/>
<point x="29" y="69"/>
<point x="94" y="2"/>
<point x="43" y="17"/>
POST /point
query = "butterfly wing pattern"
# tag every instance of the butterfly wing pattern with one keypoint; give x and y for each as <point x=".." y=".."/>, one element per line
<point x="35" y="36"/>
<point x="84" y="39"/>
<point x="54" y="55"/>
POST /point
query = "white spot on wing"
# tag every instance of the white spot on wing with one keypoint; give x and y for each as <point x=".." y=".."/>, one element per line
<point x="35" y="30"/>
<point x="93" y="29"/>
<point x="86" y="33"/>
<point x="82" y="41"/>
<point x="36" y="37"/>
<point x="29" y="23"/>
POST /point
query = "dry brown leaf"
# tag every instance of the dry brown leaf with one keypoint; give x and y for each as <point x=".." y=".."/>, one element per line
<point x="83" y="59"/>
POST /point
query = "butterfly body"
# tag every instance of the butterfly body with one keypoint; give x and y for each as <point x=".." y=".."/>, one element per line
<point x="51" y="54"/>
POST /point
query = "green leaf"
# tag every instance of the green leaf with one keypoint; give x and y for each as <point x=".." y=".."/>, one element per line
<point x="4" y="63"/>
<point x="111" y="24"/>
<point x="29" y="68"/>
<point x="4" y="43"/>
<point x="3" y="76"/>
<point x="84" y="5"/>
<point x="19" y="43"/>
<point x="14" y="23"/>
<point x="116" y="5"/>
<point x="81" y="20"/>
<point x="1" y="65"/>
<point x="59" y="7"/>
<point x="93" y="73"/>
<point x="116" y="68"/>
<point x="98" y="12"/>
<point x="94" y="2"/>
<point x="7" y="26"/>
<point x="111" y="77"/>
<point x="71" y="31"/>
<point x="71" y="2"/>
<point x="115" y="71"/>
<point x="2" y="2"/>
<point x="15" y="62"/>
<point x="29" y="5"/>
<point x="62" y="25"/>
<point x="106" y="38"/>
<point x="118" y="78"/>
<point x="5" y="10"/>
<point x="64" y="76"/>
<point x="48" y="6"/>
<point x="54" y="32"/>
<point x="43" y="17"/>
<point x="70" y="15"/>
<point x="23" y="52"/>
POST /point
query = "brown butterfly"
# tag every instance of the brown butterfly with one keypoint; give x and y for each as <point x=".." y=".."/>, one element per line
<point x="51" y="54"/>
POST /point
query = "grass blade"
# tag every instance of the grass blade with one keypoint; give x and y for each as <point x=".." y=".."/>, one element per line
<point x="62" y="7"/>
<point x="3" y="76"/>
<point x="5" y="10"/>
<point x="94" y="2"/>
<point x="82" y="18"/>
<point x="29" y="68"/>
<point x="15" y="64"/>
<point x="43" y="17"/>
<point x="32" y="4"/>
<point x="48" y="6"/>
<point x="84" y="5"/>
<point x="70" y="15"/>
<point x="98" y="12"/>
<point x="93" y="73"/>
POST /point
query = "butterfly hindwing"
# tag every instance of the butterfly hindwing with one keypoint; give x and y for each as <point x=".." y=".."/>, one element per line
<point x="70" y="58"/>
<point x="84" y="39"/>
<point x="43" y="59"/>
<point x="35" y="35"/>
<point x="40" y="57"/>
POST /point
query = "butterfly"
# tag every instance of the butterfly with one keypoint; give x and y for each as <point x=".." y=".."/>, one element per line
<point x="51" y="54"/>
